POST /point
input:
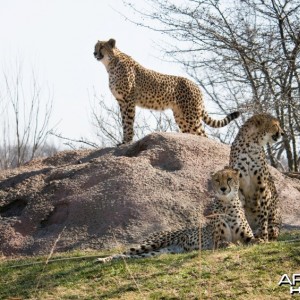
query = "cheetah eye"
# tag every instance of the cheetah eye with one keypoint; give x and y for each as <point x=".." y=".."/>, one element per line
<point x="229" y="179"/>
<point x="217" y="181"/>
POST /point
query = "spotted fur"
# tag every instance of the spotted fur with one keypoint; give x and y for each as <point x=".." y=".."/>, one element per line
<point x="257" y="188"/>
<point x="227" y="224"/>
<point x="133" y="85"/>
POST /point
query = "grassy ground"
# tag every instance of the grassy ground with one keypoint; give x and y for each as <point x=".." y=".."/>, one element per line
<point x="235" y="273"/>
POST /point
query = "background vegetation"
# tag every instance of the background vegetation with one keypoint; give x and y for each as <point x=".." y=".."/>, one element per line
<point x="243" y="54"/>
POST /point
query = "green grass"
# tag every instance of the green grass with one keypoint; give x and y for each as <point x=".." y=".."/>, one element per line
<point x="235" y="273"/>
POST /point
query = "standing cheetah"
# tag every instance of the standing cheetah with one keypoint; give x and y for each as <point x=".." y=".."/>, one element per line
<point x="257" y="188"/>
<point x="133" y="85"/>
<point x="227" y="224"/>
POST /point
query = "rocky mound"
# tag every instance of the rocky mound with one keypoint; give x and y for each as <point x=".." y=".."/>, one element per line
<point x="98" y="199"/>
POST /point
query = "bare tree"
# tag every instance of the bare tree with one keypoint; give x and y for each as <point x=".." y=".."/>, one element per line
<point x="243" y="54"/>
<point x="26" y="111"/>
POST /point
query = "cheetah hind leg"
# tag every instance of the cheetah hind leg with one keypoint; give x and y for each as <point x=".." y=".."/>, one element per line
<point x="193" y="126"/>
<point x="197" y="128"/>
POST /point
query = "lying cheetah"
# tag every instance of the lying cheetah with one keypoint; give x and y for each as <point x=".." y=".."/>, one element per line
<point x="257" y="188"/>
<point x="133" y="85"/>
<point x="227" y="224"/>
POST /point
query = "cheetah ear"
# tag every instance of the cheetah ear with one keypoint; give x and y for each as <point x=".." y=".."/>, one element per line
<point x="112" y="43"/>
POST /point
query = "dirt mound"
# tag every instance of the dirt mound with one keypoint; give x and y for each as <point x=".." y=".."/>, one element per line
<point x="97" y="199"/>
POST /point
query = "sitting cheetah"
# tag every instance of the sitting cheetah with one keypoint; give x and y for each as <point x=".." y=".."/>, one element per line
<point x="227" y="224"/>
<point x="133" y="85"/>
<point x="257" y="189"/>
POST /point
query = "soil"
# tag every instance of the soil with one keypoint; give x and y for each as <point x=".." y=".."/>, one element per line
<point x="96" y="199"/>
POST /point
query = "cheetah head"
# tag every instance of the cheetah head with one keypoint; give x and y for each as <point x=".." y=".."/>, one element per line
<point x="267" y="128"/>
<point x="226" y="182"/>
<point x="104" y="48"/>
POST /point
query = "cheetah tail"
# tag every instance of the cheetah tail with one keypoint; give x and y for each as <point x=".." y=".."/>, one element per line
<point x="220" y="123"/>
<point x="140" y="252"/>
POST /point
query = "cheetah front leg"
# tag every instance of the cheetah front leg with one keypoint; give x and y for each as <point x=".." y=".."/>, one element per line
<point x="245" y="233"/>
<point x="261" y="198"/>
<point x="127" y="108"/>
<point x="222" y="236"/>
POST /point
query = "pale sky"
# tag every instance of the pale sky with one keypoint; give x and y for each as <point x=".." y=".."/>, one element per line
<point x="57" y="39"/>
